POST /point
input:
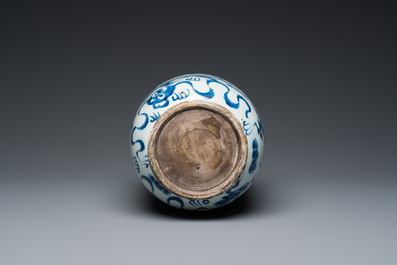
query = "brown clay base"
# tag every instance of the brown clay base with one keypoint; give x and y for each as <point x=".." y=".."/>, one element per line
<point x="197" y="149"/>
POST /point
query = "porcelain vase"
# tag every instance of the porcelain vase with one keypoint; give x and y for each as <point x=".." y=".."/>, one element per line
<point x="197" y="142"/>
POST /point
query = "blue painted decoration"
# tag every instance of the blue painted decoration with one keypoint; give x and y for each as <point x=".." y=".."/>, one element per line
<point x="236" y="105"/>
<point x="228" y="101"/>
<point x="232" y="194"/>
<point x="255" y="155"/>
<point x="210" y="93"/>
<point x="176" y="199"/>
<point x="259" y="128"/>
<point x="154" y="117"/>
<point x="193" y="78"/>
<point x="140" y="142"/>
<point x="158" y="185"/>
<point x="195" y="203"/>
<point x="144" y="178"/>
<point x="145" y="161"/>
<point x="204" y="88"/>
<point x="247" y="128"/>
<point x="151" y="180"/>
<point x="136" y="164"/>
<point x="181" y="95"/>
<point x="159" y="99"/>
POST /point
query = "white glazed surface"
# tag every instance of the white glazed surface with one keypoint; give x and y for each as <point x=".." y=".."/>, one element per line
<point x="188" y="88"/>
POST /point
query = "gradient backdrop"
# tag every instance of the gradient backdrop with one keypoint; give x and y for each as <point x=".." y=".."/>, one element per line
<point x="322" y="75"/>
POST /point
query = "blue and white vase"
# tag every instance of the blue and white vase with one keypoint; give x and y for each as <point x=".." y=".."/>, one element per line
<point x="197" y="142"/>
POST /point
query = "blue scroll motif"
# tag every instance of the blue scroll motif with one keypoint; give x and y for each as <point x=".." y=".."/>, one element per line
<point x="144" y="178"/>
<point x="160" y="99"/>
<point x="177" y="199"/>
<point x="140" y="142"/>
<point x="255" y="155"/>
<point x="154" y="117"/>
<point x="259" y="128"/>
<point x="233" y="193"/>
<point x="180" y="95"/>
<point x="237" y="104"/>
<point x="210" y="93"/>
<point x="258" y="125"/>
<point x="158" y="185"/>
<point x="228" y="101"/>
<point x="247" y="128"/>
<point x="151" y="180"/>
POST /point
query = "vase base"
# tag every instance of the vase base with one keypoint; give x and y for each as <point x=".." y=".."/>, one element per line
<point x="197" y="149"/>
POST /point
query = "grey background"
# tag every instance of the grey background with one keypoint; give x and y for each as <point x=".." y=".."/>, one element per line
<point x="322" y="75"/>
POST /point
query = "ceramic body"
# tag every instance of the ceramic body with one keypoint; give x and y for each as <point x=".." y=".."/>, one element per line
<point x="197" y="87"/>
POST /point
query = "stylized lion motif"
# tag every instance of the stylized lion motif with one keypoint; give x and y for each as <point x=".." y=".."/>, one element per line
<point x="159" y="99"/>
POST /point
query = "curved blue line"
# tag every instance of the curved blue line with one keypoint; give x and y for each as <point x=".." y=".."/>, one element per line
<point x="255" y="155"/>
<point x="247" y="128"/>
<point x="259" y="128"/>
<point x="140" y="142"/>
<point x="154" y="117"/>
<point x="237" y="105"/>
<point x="158" y="185"/>
<point x="209" y="94"/>
<point x="232" y="194"/>
<point x="175" y="199"/>
<point x="175" y="96"/>
<point x="227" y="99"/>
<point x="148" y="181"/>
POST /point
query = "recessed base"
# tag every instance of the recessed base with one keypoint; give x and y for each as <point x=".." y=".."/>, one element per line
<point x="197" y="149"/>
